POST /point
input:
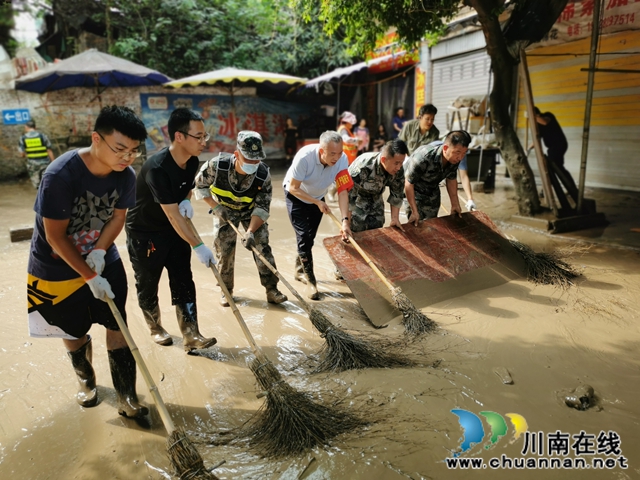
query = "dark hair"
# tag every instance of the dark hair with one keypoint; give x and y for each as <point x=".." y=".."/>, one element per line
<point x="458" y="137"/>
<point x="180" y="119"/>
<point x="536" y="110"/>
<point x="398" y="110"/>
<point x="427" y="109"/>
<point x="121" y="119"/>
<point x="31" y="124"/>
<point x="394" y="147"/>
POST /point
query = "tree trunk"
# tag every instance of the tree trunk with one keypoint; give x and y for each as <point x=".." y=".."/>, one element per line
<point x="503" y="65"/>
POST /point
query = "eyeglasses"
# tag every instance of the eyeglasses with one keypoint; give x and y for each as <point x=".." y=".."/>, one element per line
<point x="203" y="139"/>
<point x="119" y="154"/>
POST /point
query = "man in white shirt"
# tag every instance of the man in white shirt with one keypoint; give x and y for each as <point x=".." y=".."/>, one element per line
<point x="314" y="168"/>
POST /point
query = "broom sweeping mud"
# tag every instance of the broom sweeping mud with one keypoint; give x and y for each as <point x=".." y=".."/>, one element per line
<point x="341" y="351"/>
<point x="289" y="422"/>
<point x="414" y="321"/>
<point x="184" y="456"/>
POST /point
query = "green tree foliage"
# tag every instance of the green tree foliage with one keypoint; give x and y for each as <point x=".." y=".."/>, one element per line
<point x="186" y="37"/>
<point x="7" y="23"/>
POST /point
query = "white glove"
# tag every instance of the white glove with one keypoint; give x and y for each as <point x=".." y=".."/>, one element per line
<point x="95" y="260"/>
<point x="204" y="254"/>
<point x="186" y="209"/>
<point x="470" y="205"/>
<point x="100" y="287"/>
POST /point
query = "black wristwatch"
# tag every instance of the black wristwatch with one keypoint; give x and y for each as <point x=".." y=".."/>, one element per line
<point x="345" y="218"/>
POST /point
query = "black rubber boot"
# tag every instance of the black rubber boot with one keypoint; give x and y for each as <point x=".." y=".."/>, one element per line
<point x="307" y="266"/>
<point x="299" y="275"/>
<point x="187" y="314"/>
<point x="123" y="374"/>
<point x="275" y="296"/>
<point x="87" y="395"/>
<point x="159" y="334"/>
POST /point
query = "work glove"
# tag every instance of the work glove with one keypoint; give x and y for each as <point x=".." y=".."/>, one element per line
<point x="99" y="287"/>
<point x="95" y="260"/>
<point x="221" y="212"/>
<point x="470" y="205"/>
<point x="186" y="209"/>
<point x="248" y="240"/>
<point x="204" y="254"/>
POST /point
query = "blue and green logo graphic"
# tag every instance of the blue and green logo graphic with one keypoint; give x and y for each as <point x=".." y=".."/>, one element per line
<point x="473" y="429"/>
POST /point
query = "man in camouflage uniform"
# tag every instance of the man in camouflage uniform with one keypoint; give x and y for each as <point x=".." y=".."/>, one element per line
<point x="426" y="168"/>
<point x="238" y="189"/>
<point x="372" y="173"/>
<point x="420" y="131"/>
<point x="37" y="148"/>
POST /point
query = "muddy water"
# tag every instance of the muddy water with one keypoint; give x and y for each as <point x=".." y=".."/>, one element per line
<point x="549" y="340"/>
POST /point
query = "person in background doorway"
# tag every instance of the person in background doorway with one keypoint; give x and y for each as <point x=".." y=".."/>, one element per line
<point x="37" y="148"/>
<point x="420" y="131"/>
<point x="380" y="138"/>
<point x="74" y="264"/>
<point x="349" y="139"/>
<point x="159" y="237"/>
<point x="362" y="132"/>
<point x="397" y="122"/>
<point x="290" y="140"/>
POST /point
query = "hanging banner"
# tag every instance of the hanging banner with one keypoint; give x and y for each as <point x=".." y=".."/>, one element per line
<point x="420" y="90"/>
<point x="224" y="117"/>
<point x="576" y="20"/>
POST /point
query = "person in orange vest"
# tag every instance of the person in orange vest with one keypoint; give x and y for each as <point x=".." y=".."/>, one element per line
<point x="349" y="139"/>
<point x="37" y="148"/>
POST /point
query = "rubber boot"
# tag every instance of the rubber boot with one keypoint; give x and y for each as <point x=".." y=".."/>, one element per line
<point x="307" y="265"/>
<point x="275" y="296"/>
<point x="159" y="334"/>
<point x="123" y="374"/>
<point x="187" y="314"/>
<point x="223" y="299"/>
<point x="87" y="395"/>
<point x="299" y="275"/>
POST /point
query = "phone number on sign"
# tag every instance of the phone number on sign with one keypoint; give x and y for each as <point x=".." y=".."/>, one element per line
<point x="618" y="20"/>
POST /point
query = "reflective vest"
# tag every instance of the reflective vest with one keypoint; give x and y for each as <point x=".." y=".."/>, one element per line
<point x="34" y="148"/>
<point x="228" y="196"/>
<point x="349" y="149"/>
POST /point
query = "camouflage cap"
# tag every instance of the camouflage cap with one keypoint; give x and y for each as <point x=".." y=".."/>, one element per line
<point x="250" y="144"/>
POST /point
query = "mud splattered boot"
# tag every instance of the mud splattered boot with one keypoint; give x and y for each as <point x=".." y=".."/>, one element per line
<point x="123" y="374"/>
<point x="87" y="395"/>
<point x="307" y="265"/>
<point x="299" y="275"/>
<point x="159" y="334"/>
<point x="275" y="296"/>
<point x="188" y="320"/>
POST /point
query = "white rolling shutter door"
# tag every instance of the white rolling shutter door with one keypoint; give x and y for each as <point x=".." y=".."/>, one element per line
<point x="466" y="74"/>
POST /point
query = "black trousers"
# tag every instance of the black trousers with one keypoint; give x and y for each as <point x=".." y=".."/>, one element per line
<point x="305" y="218"/>
<point x="150" y="254"/>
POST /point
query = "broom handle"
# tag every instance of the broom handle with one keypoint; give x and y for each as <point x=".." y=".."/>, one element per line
<point x="153" y="389"/>
<point x="365" y="256"/>
<point x="305" y="305"/>
<point x="254" y="346"/>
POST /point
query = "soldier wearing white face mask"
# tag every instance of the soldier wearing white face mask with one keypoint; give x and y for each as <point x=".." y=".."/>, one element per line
<point x="238" y="189"/>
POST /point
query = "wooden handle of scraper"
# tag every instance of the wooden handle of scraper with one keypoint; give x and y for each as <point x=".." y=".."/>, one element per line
<point x="254" y="346"/>
<point x="151" y="385"/>
<point x="364" y="255"/>
<point x="273" y="269"/>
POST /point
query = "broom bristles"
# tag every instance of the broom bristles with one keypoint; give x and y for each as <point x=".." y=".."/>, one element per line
<point x="343" y="351"/>
<point x="545" y="268"/>
<point x="184" y="456"/>
<point x="290" y="422"/>
<point x="415" y="322"/>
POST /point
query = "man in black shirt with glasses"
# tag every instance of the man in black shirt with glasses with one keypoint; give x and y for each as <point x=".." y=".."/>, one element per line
<point x="158" y="236"/>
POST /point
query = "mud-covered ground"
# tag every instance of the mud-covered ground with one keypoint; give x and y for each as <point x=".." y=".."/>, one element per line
<point x="550" y="341"/>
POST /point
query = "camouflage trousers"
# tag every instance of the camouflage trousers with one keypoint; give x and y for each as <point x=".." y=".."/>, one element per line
<point x="367" y="213"/>
<point x="35" y="169"/>
<point x="428" y="205"/>
<point x="224" y="247"/>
